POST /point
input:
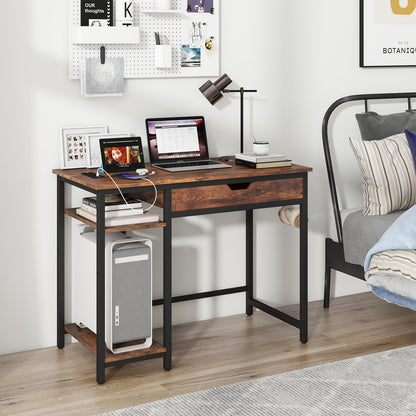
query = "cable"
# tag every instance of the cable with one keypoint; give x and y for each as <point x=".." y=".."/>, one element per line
<point x="124" y="199"/>
<point x="154" y="187"/>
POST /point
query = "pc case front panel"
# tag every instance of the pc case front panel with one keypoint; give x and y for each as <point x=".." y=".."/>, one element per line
<point x="131" y="293"/>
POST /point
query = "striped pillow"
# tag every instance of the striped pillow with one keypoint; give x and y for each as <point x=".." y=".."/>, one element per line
<point x="388" y="174"/>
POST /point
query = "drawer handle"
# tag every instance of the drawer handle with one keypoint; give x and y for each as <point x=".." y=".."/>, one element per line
<point x="237" y="186"/>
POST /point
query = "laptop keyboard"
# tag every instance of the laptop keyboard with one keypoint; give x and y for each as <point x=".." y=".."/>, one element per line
<point x="181" y="164"/>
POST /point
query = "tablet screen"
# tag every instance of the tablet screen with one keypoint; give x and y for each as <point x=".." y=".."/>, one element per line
<point x="121" y="154"/>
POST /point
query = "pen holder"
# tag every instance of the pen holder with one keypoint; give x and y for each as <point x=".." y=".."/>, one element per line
<point x="163" y="56"/>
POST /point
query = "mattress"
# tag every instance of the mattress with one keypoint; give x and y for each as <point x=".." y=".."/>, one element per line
<point x="361" y="232"/>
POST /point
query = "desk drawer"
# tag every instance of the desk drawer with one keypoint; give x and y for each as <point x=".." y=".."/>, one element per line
<point x="203" y="197"/>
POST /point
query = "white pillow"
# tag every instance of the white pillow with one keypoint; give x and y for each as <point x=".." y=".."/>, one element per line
<point x="387" y="173"/>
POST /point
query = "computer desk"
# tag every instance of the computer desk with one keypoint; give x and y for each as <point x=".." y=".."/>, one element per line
<point x="182" y="194"/>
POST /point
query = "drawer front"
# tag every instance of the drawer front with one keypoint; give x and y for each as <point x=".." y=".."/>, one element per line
<point x="215" y="196"/>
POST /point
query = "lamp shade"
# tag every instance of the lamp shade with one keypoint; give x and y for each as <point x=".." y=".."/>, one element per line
<point x="213" y="90"/>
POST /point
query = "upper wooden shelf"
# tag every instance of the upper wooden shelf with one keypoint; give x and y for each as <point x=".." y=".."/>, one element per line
<point x="128" y="227"/>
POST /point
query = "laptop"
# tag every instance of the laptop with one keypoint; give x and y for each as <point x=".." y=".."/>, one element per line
<point x="179" y="144"/>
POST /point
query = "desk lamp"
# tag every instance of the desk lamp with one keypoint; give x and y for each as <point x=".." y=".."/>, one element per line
<point x="213" y="92"/>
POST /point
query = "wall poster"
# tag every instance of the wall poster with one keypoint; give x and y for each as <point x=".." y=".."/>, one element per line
<point x="387" y="33"/>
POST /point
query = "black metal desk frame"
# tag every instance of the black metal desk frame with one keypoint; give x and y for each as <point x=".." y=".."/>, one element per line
<point x="251" y="302"/>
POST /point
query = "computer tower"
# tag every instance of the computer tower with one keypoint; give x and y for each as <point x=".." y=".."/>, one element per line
<point x="128" y="292"/>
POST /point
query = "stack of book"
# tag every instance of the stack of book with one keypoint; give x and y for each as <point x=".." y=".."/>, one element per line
<point x="117" y="212"/>
<point x="259" y="162"/>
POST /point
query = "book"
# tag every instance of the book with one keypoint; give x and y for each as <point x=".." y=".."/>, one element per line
<point x="97" y="13"/>
<point x="114" y="202"/>
<point x="278" y="164"/>
<point x="113" y="213"/>
<point x="114" y="221"/>
<point x="251" y="157"/>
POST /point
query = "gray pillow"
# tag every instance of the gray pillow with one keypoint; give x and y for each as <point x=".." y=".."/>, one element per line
<point x="374" y="126"/>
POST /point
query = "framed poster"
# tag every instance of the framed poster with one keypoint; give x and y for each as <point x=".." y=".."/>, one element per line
<point x="387" y="33"/>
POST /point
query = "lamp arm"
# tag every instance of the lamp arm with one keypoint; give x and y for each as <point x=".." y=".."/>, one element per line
<point x="242" y="90"/>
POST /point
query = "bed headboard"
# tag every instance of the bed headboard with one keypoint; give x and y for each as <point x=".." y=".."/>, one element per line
<point x="366" y="99"/>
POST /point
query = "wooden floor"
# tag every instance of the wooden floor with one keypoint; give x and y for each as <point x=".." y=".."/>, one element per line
<point x="206" y="354"/>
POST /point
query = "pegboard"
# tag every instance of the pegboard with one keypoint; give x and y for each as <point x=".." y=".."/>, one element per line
<point x="139" y="58"/>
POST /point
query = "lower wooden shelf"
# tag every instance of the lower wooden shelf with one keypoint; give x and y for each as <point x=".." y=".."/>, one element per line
<point x="89" y="339"/>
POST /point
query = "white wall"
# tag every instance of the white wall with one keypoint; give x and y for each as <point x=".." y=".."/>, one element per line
<point x="300" y="55"/>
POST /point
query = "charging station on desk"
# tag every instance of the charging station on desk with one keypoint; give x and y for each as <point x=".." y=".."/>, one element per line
<point x="128" y="292"/>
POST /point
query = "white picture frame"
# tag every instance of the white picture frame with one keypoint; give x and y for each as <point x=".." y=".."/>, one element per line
<point x="75" y="145"/>
<point x="94" y="146"/>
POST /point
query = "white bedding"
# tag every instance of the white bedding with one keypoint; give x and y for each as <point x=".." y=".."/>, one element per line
<point x="390" y="265"/>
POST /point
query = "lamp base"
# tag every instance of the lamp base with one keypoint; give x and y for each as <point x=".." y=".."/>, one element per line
<point x="229" y="159"/>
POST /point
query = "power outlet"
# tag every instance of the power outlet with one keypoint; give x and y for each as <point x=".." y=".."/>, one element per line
<point x="117" y="315"/>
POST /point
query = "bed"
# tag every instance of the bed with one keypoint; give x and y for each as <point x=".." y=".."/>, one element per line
<point x="375" y="241"/>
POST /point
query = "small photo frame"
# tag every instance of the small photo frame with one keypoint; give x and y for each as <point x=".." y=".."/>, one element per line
<point x="190" y="57"/>
<point x="200" y="6"/>
<point x="99" y="79"/>
<point x="94" y="144"/>
<point x="75" y="145"/>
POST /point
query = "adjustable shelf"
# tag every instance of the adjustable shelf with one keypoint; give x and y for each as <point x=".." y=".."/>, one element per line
<point x="161" y="11"/>
<point x="114" y="229"/>
<point x="89" y="339"/>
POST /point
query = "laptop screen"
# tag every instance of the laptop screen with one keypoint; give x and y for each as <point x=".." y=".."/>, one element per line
<point x="171" y="139"/>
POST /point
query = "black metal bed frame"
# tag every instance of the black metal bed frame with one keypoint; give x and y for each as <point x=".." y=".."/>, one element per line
<point x="334" y="250"/>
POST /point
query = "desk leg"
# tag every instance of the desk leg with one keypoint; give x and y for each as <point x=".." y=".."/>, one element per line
<point x="60" y="272"/>
<point x="167" y="280"/>
<point x="100" y="297"/>
<point x="303" y="249"/>
<point x="249" y="261"/>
